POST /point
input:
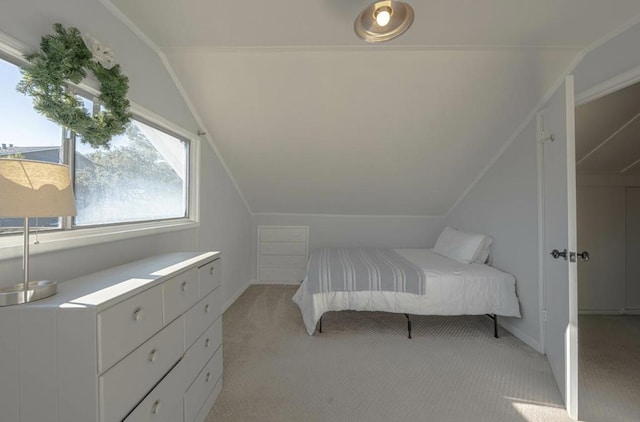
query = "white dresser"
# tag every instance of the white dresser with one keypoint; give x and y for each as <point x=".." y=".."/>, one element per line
<point x="138" y="342"/>
<point x="282" y="254"/>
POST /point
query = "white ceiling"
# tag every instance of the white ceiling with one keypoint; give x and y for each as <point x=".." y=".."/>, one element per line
<point x="608" y="134"/>
<point x="310" y="119"/>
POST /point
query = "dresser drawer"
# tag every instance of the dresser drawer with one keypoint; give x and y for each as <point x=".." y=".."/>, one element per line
<point x="283" y="248"/>
<point x="200" y="317"/>
<point x="180" y="293"/>
<point x="210" y="277"/>
<point x="283" y="261"/>
<point x="283" y="274"/>
<point x="126" y="325"/>
<point x="165" y="402"/>
<point x="197" y="394"/>
<point x="283" y="234"/>
<point x="201" y="351"/>
<point x="122" y="386"/>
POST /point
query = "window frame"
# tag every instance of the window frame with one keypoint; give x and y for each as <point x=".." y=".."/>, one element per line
<point x="72" y="236"/>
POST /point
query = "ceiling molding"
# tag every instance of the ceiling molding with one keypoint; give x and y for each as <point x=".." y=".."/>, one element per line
<point x="163" y="58"/>
<point x="359" y="48"/>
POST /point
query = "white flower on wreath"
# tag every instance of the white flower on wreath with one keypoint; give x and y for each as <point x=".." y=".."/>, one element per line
<point x="101" y="54"/>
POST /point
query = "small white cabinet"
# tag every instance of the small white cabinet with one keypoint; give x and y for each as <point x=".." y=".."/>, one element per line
<point x="139" y="342"/>
<point x="282" y="254"/>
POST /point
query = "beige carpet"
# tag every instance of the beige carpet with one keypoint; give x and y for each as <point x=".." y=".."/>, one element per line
<point x="363" y="368"/>
<point x="609" y="368"/>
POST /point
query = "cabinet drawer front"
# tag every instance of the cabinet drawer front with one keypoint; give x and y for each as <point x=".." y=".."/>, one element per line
<point x="122" y="386"/>
<point x="200" y="317"/>
<point x="283" y="234"/>
<point x="197" y="394"/>
<point x="180" y="293"/>
<point x="283" y="248"/>
<point x="165" y="402"/>
<point x="210" y="277"/>
<point x="201" y="351"/>
<point x="283" y="261"/>
<point x="282" y="274"/>
<point x="126" y="325"/>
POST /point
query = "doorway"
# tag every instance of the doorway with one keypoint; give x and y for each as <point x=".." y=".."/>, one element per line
<point x="608" y="227"/>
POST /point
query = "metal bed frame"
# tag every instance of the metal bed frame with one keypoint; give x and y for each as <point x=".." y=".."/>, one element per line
<point x="494" y="317"/>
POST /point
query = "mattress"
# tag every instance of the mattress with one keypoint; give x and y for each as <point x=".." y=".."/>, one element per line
<point x="451" y="288"/>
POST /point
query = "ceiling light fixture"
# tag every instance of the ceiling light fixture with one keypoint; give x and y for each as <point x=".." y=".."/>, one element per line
<point x="383" y="21"/>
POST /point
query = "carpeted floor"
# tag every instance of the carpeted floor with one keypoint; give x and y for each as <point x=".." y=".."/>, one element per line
<point x="609" y="377"/>
<point x="363" y="368"/>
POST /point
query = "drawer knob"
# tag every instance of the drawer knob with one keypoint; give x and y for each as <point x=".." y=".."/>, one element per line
<point x="183" y="286"/>
<point x="206" y="343"/>
<point x="156" y="407"/>
<point x="208" y="377"/>
<point x="137" y="314"/>
<point x="211" y="270"/>
<point x="206" y="308"/>
<point x="153" y="355"/>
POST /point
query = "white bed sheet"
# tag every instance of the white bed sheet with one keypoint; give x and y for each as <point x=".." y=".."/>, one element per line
<point x="452" y="288"/>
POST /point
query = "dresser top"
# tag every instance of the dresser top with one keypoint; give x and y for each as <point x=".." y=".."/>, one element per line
<point x="102" y="289"/>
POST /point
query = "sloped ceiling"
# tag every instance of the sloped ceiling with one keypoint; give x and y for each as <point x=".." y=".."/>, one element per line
<point x="608" y="134"/>
<point x="310" y="119"/>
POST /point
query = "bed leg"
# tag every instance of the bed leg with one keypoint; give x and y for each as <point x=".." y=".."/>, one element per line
<point x="495" y="326"/>
<point x="408" y="325"/>
<point x="320" y="328"/>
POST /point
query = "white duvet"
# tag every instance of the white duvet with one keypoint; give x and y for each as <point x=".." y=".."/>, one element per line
<point x="451" y="289"/>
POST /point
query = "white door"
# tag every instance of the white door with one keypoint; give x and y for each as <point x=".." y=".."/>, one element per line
<point x="557" y="129"/>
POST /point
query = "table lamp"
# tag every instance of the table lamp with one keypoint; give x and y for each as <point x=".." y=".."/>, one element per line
<point x="33" y="189"/>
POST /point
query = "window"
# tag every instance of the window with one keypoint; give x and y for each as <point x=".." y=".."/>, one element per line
<point x="142" y="177"/>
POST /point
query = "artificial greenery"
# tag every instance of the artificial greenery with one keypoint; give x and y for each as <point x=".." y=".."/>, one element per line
<point x="63" y="58"/>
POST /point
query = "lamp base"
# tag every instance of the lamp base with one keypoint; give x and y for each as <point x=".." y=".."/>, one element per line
<point x="14" y="295"/>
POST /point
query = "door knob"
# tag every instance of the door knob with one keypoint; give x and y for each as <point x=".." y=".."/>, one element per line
<point x="584" y="255"/>
<point x="557" y="254"/>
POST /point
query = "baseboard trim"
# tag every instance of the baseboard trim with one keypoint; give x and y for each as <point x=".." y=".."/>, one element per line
<point x="235" y="297"/>
<point x="516" y="332"/>
<point x="602" y="312"/>
<point x="632" y="311"/>
<point x="277" y="283"/>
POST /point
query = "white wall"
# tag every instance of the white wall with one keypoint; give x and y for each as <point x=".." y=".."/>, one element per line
<point x="225" y="221"/>
<point x="503" y="205"/>
<point x="504" y="202"/>
<point x="601" y="231"/>
<point x="632" y="285"/>
<point x="354" y="230"/>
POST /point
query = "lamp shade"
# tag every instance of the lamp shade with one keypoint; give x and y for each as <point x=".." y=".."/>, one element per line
<point x="35" y="189"/>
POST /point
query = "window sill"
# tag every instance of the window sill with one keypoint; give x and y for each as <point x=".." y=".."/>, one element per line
<point x="12" y="246"/>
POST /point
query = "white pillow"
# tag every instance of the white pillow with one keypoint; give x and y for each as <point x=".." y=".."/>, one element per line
<point x="483" y="254"/>
<point x="459" y="246"/>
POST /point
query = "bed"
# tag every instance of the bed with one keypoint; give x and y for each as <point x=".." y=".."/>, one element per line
<point x="449" y="287"/>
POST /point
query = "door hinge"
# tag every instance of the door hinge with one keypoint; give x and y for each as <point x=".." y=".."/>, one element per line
<point x="544" y="315"/>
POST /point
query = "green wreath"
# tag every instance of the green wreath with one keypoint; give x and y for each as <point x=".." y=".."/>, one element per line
<point x="64" y="58"/>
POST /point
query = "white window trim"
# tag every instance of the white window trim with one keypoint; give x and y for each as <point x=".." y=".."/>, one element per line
<point x="11" y="246"/>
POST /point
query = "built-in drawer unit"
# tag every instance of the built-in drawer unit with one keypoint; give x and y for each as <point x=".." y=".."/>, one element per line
<point x="200" y="317"/>
<point x="139" y="342"/>
<point x="282" y="253"/>
<point x="199" y="390"/>
<point x="209" y="277"/>
<point x="126" y="325"/>
<point x="164" y="403"/>
<point x="122" y="386"/>
<point x="180" y="294"/>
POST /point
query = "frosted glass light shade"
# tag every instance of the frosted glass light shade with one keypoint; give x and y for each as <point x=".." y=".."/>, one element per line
<point x="369" y="28"/>
<point x="35" y="189"/>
